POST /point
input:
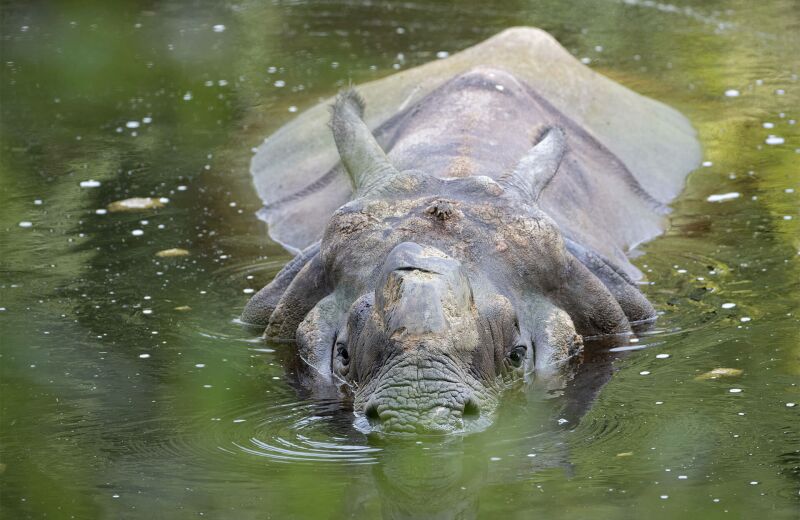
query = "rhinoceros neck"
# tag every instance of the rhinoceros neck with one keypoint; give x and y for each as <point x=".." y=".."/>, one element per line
<point x="477" y="124"/>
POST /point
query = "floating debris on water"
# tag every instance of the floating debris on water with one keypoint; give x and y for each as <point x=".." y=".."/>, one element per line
<point x="644" y="373"/>
<point x="728" y="305"/>
<point x="25" y="224"/>
<point x="662" y="356"/>
<point x="723" y="197"/>
<point x="791" y="405"/>
<point x="718" y="373"/>
<point x="625" y="454"/>
<point x="745" y="319"/>
<point x="218" y="28"/>
<point x="135" y="204"/>
<point x="735" y="390"/>
<point x="137" y="232"/>
<point x="144" y="356"/>
<point x="91" y="183"/>
<point x="183" y="308"/>
<point x="732" y="92"/>
<point x="172" y="252"/>
<point x="774" y="139"/>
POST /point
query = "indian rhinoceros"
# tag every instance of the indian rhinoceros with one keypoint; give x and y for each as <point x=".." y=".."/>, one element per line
<point x="467" y="231"/>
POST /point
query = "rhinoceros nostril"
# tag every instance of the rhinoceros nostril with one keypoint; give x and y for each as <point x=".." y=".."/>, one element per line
<point x="371" y="412"/>
<point x="471" y="409"/>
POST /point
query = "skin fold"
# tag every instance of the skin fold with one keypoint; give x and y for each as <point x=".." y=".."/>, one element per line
<point x="444" y="280"/>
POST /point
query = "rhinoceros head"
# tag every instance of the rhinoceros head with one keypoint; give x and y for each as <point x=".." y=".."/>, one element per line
<point x="427" y="296"/>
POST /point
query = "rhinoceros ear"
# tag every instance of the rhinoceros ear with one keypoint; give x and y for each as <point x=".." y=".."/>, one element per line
<point x="362" y="156"/>
<point x="538" y="167"/>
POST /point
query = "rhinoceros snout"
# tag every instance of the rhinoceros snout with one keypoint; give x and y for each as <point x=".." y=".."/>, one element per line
<point x="421" y="416"/>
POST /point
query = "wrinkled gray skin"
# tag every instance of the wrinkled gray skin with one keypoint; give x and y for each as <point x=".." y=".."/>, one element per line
<point x="443" y="281"/>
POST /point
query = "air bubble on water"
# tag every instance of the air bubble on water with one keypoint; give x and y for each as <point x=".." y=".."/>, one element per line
<point x="728" y="305"/>
<point x="745" y="319"/>
<point x="132" y="124"/>
<point x="101" y="211"/>
<point x="682" y="271"/>
<point x="218" y="28"/>
<point x="144" y="356"/>
<point x="206" y="386"/>
<point x="682" y="477"/>
<point x="531" y="455"/>
<point x="722" y="197"/>
<point x="209" y="83"/>
<point x="280" y="83"/>
<point x="200" y="365"/>
<point x="663" y="497"/>
<point x="137" y="232"/>
<point x="147" y="311"/>
<point x="774" y="139"/>
<point x="495" y="459"/>
<point x="25" y="224"/>
<point x="791" y="405"/>
<point x="787" y="217"/>
<point x="662" y="356"/>
<point x="659" y="402"/>
<point x="768" y="125"/>
<point x="707" y="164"/>
<point x="442" y="54"/>
<point x="181" y="188"/>
<point x="91" y="183"/>
<point x="731" y="93"/>
<point x="114" y="496"/>
<point x="248" y="291"/>
<point x="37" y="202"/>
<point x="644" y="373"/>
<point x="753" y="482"/>
<point x="789" y="190"/>
<point x="222" y="82"/>
<point x="147" y="120"/>
<point x="735" y="390"/>
<point x="187" y="96"/>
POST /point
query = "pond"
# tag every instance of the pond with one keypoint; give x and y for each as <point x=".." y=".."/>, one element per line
<point x="127" y="389"/>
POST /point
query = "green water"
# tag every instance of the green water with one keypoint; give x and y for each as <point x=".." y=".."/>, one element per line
<point x="115" y="404"/>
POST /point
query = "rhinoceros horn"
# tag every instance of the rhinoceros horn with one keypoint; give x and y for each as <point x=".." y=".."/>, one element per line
<point x="362" y="156"/>
<point x="538" y="167"/>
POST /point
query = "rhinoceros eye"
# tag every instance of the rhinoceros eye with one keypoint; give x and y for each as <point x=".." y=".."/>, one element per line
<point x="342" y="354"/>
<point x="517" y="355"/>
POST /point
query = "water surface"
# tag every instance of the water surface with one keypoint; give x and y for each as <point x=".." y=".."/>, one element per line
<point x="127" y="390"/>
